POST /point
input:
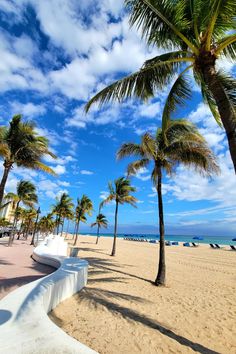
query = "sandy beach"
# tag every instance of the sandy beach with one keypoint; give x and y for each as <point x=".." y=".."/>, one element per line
<point x="121" y="311"/>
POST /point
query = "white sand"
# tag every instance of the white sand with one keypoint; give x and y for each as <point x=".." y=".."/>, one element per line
<point x="121" y="311"/>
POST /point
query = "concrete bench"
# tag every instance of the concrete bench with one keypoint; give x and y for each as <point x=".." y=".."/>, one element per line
<point x="25" y="327"/>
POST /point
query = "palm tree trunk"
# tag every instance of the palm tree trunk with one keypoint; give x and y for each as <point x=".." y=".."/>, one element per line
<point x="58" y="225"/>
<point x="161" y="275"/>
<point x="62" y="226"/>
<point x="67" y="230"/>
<point x="12" y="234"/>
<point x="227" y="114"/>
<point x="20" y="230"/>
<point x="27" y="230"/>
<point x="76" y="235"/>
<point x="113" y="252"/>
<point x="97" y="234"/>
<point x="7" y="168"/>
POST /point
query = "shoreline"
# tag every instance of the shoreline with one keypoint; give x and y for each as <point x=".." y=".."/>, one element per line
<point x="199" y="242"/>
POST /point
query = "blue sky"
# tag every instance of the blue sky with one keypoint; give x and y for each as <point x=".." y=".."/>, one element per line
<point x="54" y="56"/>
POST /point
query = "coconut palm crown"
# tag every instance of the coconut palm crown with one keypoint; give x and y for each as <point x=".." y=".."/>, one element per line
<point x="197" y="35"/>
<point x="62" y="208"/>
<point x="25" y="193"/>
<point x="120" y="194"/>
<point x="84" y="206"/>
<point x="101" y="221"/>
<point x="181" y="143"/>
<point x="21" y="145"/>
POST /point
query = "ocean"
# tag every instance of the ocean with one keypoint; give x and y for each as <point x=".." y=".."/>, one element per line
<point x="222" y="240"/>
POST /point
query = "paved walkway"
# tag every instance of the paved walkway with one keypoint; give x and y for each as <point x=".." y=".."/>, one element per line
<point x="17" y="267"/>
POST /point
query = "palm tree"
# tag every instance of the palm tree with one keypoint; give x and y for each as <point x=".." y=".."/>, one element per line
<point x="62" y="208"/>
<point x="4" y="222"/>
<point x="201" y="33"/>
<point x="30" y="215"/>
<point x="20" y="216"/>
<point x="25" y="193"/>
<point x="20" y="145"/>
<point x="84" y="206"/>
<point x="69" y="217"/>
<point x="180" y="143"/>
<point x="101" y="221"/>
<point x="46" y="223"/>
<point x="120" y="193"/>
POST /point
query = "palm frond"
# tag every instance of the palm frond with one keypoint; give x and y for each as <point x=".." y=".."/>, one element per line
<point x="162" y="23"/>
<point x="229" y="85"/>
<point x="129" y="199"/>
<point x="42" y="167"/>
<point x="154" y="74"/>
<point x="135" y="166"/>
<point x="209" y="99"/>
<point x="214" y="13"/>
<point x="178" y="94"/>
<point x="227" y="47"/>
<point x="225" y="20"/>
<point x="129" y="149"/>
<point x="201" y="158"/>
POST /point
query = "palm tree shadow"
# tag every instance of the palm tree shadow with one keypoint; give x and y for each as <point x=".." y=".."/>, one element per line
<point x="111" y="266"/>
<point x="95" y="296"/>
<point x="94" y="250"/>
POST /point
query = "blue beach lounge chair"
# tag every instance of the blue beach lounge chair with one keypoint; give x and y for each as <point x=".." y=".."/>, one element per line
<point x="186" y="244"/>
<point x="233" y="247"/>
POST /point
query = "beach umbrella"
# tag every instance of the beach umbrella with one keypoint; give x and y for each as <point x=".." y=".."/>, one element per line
<point x="234" y="239"/>
<point x="198" y="238"/>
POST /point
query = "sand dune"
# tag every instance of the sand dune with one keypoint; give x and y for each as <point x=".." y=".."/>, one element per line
<point x="121" y="311"/>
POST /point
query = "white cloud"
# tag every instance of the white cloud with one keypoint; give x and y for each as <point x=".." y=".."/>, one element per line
<point x="143" y="174"/>
<point x="86" y="172"/>
<point x="103" y="195"/>
<point x="28" y="110"/>
<point x="59" y="169"/>
<point x="150" y="110"/>
<point x="64" y="183"/>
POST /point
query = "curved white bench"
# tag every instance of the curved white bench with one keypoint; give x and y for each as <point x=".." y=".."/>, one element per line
<point x="25" y="327"/>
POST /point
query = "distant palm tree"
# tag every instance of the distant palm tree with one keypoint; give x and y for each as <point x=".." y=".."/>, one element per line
<point x="198" y="34"/>
<point x="84" y="206"/>
<point x="101" y="221"/>
<point x="21" y="145"/>
<point x="20" y="216"/>
<point x="120" y="194"/>
<point x="29" y="216"/>
<point x="46" y="223"/>
<point x="180" y="143"/>
<point x="4" y="222"/>
<point x="25" y="193"/>
<point x="69" y="216"/>
<point x="63" y="206"/>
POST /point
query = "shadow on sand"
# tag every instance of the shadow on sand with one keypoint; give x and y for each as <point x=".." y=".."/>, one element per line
<point x="95" y="296"/>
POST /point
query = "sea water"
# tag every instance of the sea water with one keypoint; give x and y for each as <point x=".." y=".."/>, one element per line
<point x="222" y="240"/>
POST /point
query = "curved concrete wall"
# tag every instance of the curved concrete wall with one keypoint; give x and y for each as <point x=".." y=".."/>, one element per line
<point x="25" y="327"/>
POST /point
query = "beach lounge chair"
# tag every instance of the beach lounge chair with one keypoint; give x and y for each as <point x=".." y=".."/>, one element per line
<point x="217" y="246"/>
<point x="186" y="244"/>
<point x="168" y="243"/>
<point x="194" y="244"/>
<point x="233" y="247"/>
<point x="175" y="243"/>
<point x="212" y="246"/>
